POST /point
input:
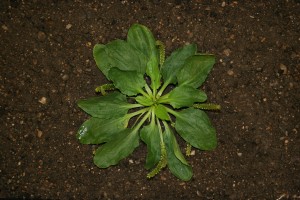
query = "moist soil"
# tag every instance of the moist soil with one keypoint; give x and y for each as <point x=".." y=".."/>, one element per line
<point x="47" y="65"/>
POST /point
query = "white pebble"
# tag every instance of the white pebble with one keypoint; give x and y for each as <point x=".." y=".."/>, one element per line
<point x="193" y="152"/>
<point x="68" y="26"/>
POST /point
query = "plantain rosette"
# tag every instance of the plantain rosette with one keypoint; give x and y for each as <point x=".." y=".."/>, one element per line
<point x="127" y="64"/>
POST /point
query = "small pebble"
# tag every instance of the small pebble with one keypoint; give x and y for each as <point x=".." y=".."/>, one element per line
<point x="163" y="178"/>
<point x="39" y="133"/>
<point x="193" y="152"/>
<point x="68" y="26"/>
<point x="43" y="100"/>
<point x="65" y="77"/>
<point x="286" y="142"/>
<point x="283" y="68"/>
<point x="88" y="44"/>
<point x="41" y="36"/>
<point x="227" y="52"/>
<point x="230" y="72"/>
<point x="34" y="61"/>
<point x="4" y="27"/>
<point x="259" y="69"/>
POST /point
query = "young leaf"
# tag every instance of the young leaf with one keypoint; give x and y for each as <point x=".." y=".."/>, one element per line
<point x="184" y="96"/>
<point x="128" y="82"/>
<point x="176" y="161"/>
<point x="109" y="106"/>
<point x="115" y="150"/>
<point x="97" y="131"/>
<point x="195" y="70"/>
<point x="153" y="72"/>
<point x="150" y="136"/>
<point x="161" y="112"/>
<point x="144" y="100"/>
<point x="175" y="62"/>
<point x="194" y="127"/>
<point x="120" y="54"/>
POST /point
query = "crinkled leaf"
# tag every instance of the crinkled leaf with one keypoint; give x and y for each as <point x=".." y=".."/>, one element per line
<point x="97" y="131"/>
<point x="120" y="54"/>
<point x="128" y="82"/>
<point x="144" y="100"/>
<point x="194" y="127"/>
<point x="185" y="96"/>
<point x="176" y="61"/>
<point x="161" y="112"/>
<point x="115" y="150"/>
<point x="109" y="106"/>
<point x="141" y="38"/>
<point x="150" y="136"/>
<point x="195" y="70"/>
<point x="176" y="161"/>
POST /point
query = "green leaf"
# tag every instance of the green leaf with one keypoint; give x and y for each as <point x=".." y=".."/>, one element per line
<point x="120" y="54"/>
<point x="128" y="82"/>
<point x="176" y="61"/>
<point x="144" y="100"/>
<point x="153" y="72"/>
<point x="97" y="131"/>
<point x="109" y="106"/>
<point x="195" y="70"/>
<point x="161" y="112"/>
<point x="184" y="96"/>
<point x="141" y="38"/>
<point x="115" y="150"/>
<point x="194" y="127"/>
<point x="150" y="136"/>
<point x="176" y="161"/>
<point x="104" y="63"/>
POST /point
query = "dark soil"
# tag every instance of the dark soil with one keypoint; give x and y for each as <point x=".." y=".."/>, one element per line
<point x="47" y="65"/>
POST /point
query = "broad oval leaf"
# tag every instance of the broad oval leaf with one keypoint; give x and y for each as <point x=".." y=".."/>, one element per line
<point x="185" y="96"/>
<point x="103" y="62"/>
<point x="150" y="136"/>
<point x="176" y="161"/>
<point x="97" y="131"/>
<point x="176" y="61"/>
<point x="195" y="70"/>
<point x="141" y="38"/>
<point x="194" y="127"/>
<point x="120" y="54"/>
<point x="128" y="82"/>
<point x="109" y="106"/>
<point x="115" y="150"/>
